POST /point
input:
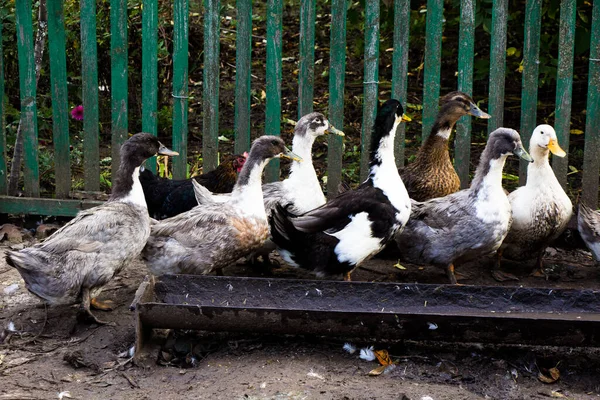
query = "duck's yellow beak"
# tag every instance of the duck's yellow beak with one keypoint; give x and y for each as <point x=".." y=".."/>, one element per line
<point x="556" y="149"/>
<point x="334" y="130"/>
<point x="403" y="118"/>
<point x="290" y="155"/>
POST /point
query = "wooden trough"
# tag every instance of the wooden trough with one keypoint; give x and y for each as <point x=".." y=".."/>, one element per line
<point x="509" y="315"/>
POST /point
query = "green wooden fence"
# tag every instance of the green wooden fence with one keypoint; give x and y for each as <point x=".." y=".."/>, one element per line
<point x="61" y="205"/>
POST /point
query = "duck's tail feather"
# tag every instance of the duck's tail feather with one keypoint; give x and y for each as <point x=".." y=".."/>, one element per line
<point x="283" y="230"/>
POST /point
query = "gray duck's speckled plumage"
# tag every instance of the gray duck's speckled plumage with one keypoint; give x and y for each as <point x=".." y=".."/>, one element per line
<point x="588" y="224"/>
<point x="94" y="246"/>
<point x="468" y="223"/>
<point x="212" y="236"/>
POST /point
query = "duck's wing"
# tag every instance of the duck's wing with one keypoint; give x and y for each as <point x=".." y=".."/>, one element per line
<point x="440" y="213"/>
<point x="198" y="221"/>
<point x="273" y="194"/>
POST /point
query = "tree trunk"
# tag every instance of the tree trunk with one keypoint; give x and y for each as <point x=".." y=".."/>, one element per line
<point x="38" y="55"/>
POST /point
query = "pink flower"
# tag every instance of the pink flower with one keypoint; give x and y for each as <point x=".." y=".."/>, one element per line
<point x="77" y="113"/>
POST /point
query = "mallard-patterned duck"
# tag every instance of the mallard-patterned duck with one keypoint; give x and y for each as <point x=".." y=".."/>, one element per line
<point x="211" y="236"/>
<point x="541" y="209"/>
<point x="467" y="224"/>
<point x="338" y="236"/>
<point x="432" y="174"/>
<point x="588" y="225"/>
<point x="80" y="258"/>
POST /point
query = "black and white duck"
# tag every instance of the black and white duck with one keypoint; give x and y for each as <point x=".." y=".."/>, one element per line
<point x="338" y="236"/>
<point x="467" y="224"/>
<point x="211" y="236"/>
<point x="432" y="174"/>
<point x="80" y="258"/>
<point x="541" y="209"/>
<point x="588" y="225"/>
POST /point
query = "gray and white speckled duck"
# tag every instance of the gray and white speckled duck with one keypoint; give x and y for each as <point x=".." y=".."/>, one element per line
<point x="541" y="209"/>
<point x="588" y="225"/>
<point x="211" y="236"/>
<point x="80" y="258"/>
<point x="466" y="224"/>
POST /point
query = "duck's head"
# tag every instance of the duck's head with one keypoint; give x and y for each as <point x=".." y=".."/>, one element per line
<point x="268" y="147"/>
<point x="390" y="115"/>
<point x="313" y="125"/>
<point x="503" y="142"/>
<point x="543" y="139"/>
<point x="141" y="146"/>
<point x="457" y="104"/>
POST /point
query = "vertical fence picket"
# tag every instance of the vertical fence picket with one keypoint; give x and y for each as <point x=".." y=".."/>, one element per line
<point x="150" y="71"/>
<point x="564" y="86"/>
<point x="243" y="66"/>
<point x="400" y="68"/>
<point x="118" y="75"/>
<point x="591" y="161"/>
<point x="3" y="172"/>
<point x="337" y="72"/>
<point x="60" y="106"/>
<point x="28" y="98"/>
<point x="180" y="88"/>
<point x="433" y="55"/>
<point x="370" y="83"/>
<point x="89" y="79"/>
<point x="529" y="92"/>
<point x="497" y="64"/>
<point x="273" y="106"/>
<point x="466" y="45"/>
<point x="210" y="95"/>
<point x="307" y="57"/>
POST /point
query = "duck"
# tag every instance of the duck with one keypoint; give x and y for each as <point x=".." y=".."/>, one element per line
<point x="467" y="224"/>
<point x="349" y="229"/>
<point x="74" y="263"/>
<point x="301" y="191"/>
<point x="432" y="174"/>
<point x="588" y="225"/>
<point x="541" y="209"/>
<point x="209" y="237"/>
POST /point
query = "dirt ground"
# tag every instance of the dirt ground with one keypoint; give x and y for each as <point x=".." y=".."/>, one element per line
<point x="54" y="354"/>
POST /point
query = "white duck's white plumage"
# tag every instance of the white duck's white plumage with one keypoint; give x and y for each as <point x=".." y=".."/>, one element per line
<point x="541" y="209"/>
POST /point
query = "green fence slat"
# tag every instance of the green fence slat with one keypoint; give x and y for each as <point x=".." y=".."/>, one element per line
<point x="400" y="68"/>
<point x="210" y="124"/>
<point x="564" y="86"/>
<point x="433" y="58"/>
<point x="337" y="72"/>
<point x="42" y="206"/>
<point x="60" y="105"/>
<point x="529" y="92"/>
<point x="307" y="57"/>
<point x="28" y="96"/>
<point x="243" y="67"/>
<point x="370" y="83"/>
<point x="591" y="161"/>
<point x="273" y="106"/>
<point x="497" y="64"/>
<point x="118" y="78"/>
<point x="466" y="45"/>
<point x="3" y="172"/>
<point x="89" y="81"/>
<point x="150" y="71"/>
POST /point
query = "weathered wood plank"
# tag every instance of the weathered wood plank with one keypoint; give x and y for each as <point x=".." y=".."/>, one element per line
<point x="466" y="45"/>
<point x="400" y="68"/>
<point x="307" y="57"/>
<point x="210" y="95"/>
<point x="243" y="67"/>
<point x="3" y="163"/>
<point x="28" y="97"/>
<point x="370" y="83"/>
<point x="433" y="58"/>
<point x="274" y="67"/>
<point x="89" y="79"/>
<point x="41" y="206"/>
<point x="564" y="86"/>
<point x="529" y="92"/>
<point x="180" y="88"/>
<point x="337" y="72"/>
<point x="497" y="64"/>
<point x="60" y="105"/>
<point x="150" y="71"/>
<point x="118" y="78"/>
<point x="591" y="160"/>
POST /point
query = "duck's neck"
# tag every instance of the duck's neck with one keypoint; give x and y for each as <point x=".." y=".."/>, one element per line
<point x="539" y="172"/>
<point x="127" y="187"/>
<point x="488" y="176"/>
<point x="383" y="172"/>
<point x="303" y="171"/>
<point x="247" y="192"/>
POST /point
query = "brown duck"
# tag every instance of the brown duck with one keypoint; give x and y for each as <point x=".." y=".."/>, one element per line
<point x="432" y="174"/>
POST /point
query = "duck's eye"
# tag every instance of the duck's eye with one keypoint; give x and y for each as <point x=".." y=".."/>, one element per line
<point x="274" y="142"/>
<point x="542" y="132"/>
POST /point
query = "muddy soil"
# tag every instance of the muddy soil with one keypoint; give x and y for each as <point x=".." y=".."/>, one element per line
<point x="52" y="353"/>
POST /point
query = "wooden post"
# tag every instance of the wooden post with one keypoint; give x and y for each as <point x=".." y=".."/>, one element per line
<point x="433" y="56"/>
<point x="273" y="106"/>
<point x="180" y="88"/>
<point x="243" y="67"/>
<point x="400" y="68"/>
<point x="210" y="95"/>
<point x="497" y="64"/>
<point x="118" y="75"/>
<point x="150" y="71"/>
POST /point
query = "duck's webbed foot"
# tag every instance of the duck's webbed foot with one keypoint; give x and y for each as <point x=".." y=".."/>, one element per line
<point x="348" y="276"/>
<point x="104" y="305"/>
<point x="455" y="276"/>
<point x="502" y="276"/>
<point x="539" y="272"/>
<point x="86" y="303"/>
